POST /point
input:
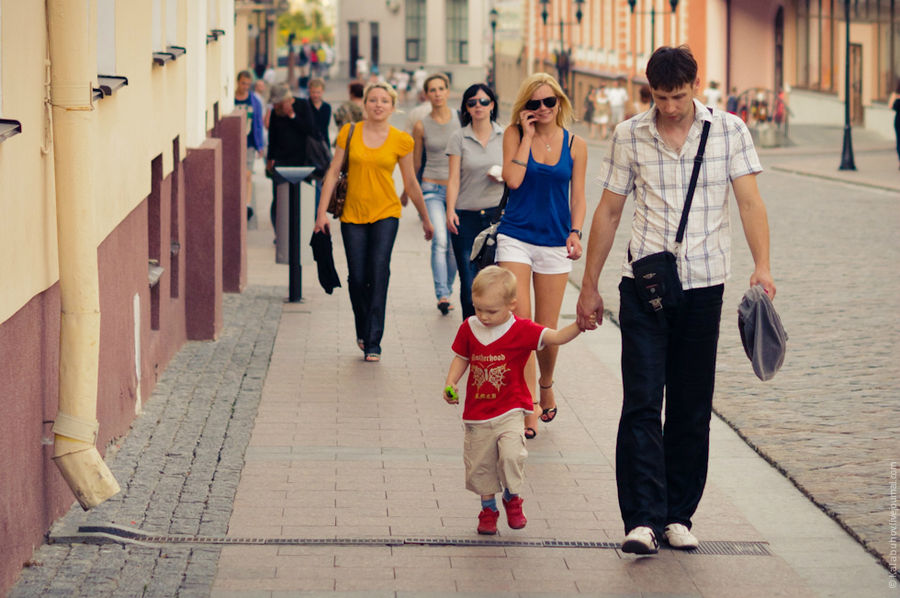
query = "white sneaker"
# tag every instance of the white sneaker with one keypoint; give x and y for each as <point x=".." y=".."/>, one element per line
<point x="640" y="540"/>
<point x="679" y="536"/>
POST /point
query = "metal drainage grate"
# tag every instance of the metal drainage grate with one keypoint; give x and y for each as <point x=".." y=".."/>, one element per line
<point x="115" y="534"/>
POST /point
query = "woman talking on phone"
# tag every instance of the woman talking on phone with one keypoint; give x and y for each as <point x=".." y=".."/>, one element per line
<point x="540" y="233"/>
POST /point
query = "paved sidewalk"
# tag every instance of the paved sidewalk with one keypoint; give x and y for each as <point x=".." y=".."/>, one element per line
<point x="346" y="452"/>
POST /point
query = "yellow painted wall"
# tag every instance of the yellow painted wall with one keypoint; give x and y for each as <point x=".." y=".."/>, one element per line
<point x="133" y="126"/>
<point x="28" y="227"/>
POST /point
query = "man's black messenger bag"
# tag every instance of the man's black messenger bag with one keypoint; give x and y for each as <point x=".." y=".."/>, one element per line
<point x="656" y="275"/>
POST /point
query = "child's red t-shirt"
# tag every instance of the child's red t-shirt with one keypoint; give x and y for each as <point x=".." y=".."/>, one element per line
<point x="496" y="383"/>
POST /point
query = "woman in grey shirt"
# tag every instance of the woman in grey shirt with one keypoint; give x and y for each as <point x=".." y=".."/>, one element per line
<point x="473" y="192"/>
<point x="431" y="135"/>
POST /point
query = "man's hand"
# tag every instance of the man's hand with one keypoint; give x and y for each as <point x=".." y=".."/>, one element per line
<point x="763" y="277"/>
<point x="589" y="312"/>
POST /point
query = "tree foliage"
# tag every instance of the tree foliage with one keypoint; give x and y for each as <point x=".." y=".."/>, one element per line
<point x="309" y="25"/>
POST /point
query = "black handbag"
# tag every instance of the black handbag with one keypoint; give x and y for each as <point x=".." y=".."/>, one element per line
<point x="484" y="248"/>
<point x="656" y="275"/>
<point x="339" y="193"/>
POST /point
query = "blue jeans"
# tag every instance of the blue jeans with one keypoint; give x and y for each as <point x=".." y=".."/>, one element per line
<point x="368" y="248"/>
<point x="661" y="470"/>
<point x="443" y="265"/>
<point x="471" y="222"/>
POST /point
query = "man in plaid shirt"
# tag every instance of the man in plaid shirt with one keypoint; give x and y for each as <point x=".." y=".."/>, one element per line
<point x="661" y="471"/>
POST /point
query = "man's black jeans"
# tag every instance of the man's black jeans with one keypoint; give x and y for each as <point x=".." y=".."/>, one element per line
<point x="661" y="470"/>
<point x="471" y="222"/>
<point x="368" y="248"/>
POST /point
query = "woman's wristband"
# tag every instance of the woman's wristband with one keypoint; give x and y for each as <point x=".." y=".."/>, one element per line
<point x="519" y="162"/>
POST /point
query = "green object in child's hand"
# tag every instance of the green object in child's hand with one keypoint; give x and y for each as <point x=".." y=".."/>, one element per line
<point x="452" y="394"/>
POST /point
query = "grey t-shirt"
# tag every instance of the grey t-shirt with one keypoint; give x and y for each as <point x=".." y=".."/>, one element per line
<point x="477" y="191"/>
<point x="436" y="136"/>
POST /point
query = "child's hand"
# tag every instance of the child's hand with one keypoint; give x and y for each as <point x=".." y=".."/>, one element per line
<point x="451" y="394"/>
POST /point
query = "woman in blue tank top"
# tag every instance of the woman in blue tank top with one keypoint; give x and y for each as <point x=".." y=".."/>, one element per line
<point x="540" y="233"/>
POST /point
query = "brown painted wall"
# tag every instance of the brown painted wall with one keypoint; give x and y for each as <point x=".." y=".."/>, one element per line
<point x="234" y="201"/>
<point x="32" y="493"/>
<point x="203" y="218"/>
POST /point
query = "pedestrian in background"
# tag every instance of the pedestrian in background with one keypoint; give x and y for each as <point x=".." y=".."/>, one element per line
<point x="494" y="346"/>
<point x="372" y="210"/>
<point x="644" y="101"/>
<point x="602" y="113"/>
<point x="540" y="233"/>
<point x="247" y="101"/>
<point x="894" y="103"/>
<point x="350" y="111"/>
<point x="431" y="135"/>
<point x="475" y="184"/>
<point x="589" y="108"/>
<point x="661" y="470"/>
<point x="290" y="124"/>
<point x="618" y="99"/>
<point x="712" y="95"/>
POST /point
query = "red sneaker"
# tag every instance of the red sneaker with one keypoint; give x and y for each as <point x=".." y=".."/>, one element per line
<point x="514" y="515"/>
<point x="487" y="521"/>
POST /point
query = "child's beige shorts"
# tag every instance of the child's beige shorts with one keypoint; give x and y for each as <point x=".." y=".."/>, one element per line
<point x="494" y="453"/>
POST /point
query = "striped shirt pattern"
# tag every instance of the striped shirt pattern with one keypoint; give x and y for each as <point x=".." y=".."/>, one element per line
<point x="640" y="162"/>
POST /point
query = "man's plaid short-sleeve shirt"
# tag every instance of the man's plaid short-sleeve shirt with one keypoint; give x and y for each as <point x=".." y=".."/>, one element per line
<point x="640" y="162"/>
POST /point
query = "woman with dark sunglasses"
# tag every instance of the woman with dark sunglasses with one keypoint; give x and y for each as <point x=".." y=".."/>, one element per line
<point x="431" y="135"/>
<point x="475" y="154"/>
<point x="540" y="233"/>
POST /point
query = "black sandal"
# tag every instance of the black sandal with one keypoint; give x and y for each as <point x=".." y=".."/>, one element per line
<point x="530" y="433"/>
<point x="549" y="414"/>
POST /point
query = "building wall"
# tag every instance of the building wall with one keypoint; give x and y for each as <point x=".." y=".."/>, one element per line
<point x="753" y="43"/>
<point x="392" y="38"/>
<point x="137" y="147"/>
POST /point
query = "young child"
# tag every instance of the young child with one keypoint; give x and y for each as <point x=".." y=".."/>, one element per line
<point x="495" y="344"/>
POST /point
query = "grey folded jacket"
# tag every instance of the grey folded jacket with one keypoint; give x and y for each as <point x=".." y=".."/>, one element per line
<point x="762" y="334"/>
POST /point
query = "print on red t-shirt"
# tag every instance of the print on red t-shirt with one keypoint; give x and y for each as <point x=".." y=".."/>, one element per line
<point x="496" y="383"/>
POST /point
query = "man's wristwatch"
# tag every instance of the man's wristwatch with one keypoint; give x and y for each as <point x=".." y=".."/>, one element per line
<point x="576" y="231"/>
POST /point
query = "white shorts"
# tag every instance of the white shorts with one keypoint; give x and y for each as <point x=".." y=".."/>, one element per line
<point x="543" y="260"/>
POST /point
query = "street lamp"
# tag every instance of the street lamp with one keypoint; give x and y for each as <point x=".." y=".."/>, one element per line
<point x="562" y="58"/>
<point x="652" y="13"/>
<point x="493" y="78"/>
<point x="847" y="152"/>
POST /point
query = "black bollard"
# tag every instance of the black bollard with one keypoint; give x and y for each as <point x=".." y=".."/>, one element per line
<point x="294" y="175"/>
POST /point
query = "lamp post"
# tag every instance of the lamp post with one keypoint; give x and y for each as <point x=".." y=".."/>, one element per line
<point x="562" y="58"/>
<point x="493" y="78"/>
<point x="652" y="13"/>
<point x="847" y="152"/>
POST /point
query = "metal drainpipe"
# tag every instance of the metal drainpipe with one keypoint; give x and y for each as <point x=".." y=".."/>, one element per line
<point x="72" y="71"/>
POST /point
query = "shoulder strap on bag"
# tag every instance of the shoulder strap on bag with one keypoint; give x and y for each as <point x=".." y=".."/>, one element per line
<point x="345" y="161"/>
<point x="698" y="160"/>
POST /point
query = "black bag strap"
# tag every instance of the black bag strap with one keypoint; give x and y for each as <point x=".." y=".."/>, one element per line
<point x="698" y="160"/>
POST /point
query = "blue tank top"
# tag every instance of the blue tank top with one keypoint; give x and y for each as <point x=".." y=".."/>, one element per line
<point x="538" y="211"/>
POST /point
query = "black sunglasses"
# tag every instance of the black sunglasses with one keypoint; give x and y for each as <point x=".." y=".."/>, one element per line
<point x="535" y="104"/>
<point x="472" y="102"/>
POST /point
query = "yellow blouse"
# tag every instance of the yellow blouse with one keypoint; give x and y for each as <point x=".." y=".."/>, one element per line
<point x="371" y="195"/>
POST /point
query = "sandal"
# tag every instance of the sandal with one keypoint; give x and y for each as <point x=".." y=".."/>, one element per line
<point x="549" y="414"/>
<point x="530" y="433"/>
<point x="373" y="357"/>
<point x="444" y="306"/>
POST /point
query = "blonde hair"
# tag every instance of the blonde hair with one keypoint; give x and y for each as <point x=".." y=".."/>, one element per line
<point x="434" y="76"/>
<point x="565" y="114"/>
<point x="495" y="277"/>
<point x="381" y="85"/>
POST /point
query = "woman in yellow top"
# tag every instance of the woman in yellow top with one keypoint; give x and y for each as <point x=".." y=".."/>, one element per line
<point x="372" y="210"/>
